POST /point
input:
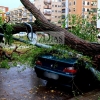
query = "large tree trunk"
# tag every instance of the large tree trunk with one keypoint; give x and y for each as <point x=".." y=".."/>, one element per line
<point x="71" y="40"/>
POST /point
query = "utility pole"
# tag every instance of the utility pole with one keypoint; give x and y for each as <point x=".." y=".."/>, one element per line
<point x="66" y="12"/>
<point x="98" y="15"/>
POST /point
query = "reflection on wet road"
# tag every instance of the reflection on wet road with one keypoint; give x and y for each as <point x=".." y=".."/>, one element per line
<point x="21" y="83"/>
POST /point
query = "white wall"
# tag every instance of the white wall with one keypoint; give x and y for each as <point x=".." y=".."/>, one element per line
<point x="98" y="22"/>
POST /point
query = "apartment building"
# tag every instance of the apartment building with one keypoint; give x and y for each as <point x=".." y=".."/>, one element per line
<point x="21" y="14"/>
<point x="56" y="10"/>
<point x="52" y="9"/>
<point x="3" y="11"/>
<point x="83" y="8"/>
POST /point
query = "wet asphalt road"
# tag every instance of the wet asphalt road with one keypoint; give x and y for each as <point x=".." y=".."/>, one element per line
<point x="21" y="83"/>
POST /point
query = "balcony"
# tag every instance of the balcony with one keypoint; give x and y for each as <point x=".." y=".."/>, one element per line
<point x="63" y="16"/>
<point x="24" y="19"/>
<point x="63" y="4"/>
<point x="47" y="12"/>
<point x="94" y="10"/>
<point x="93" y="23"/>
<point x="47" y="2"/>
<point x="20" y="14"/>
<point x="63" y="10"/>
<point x="47" y="7"/>
<point x="24" y="15"/>
<point x="94" y="3"/>
<point x="20" y="10"/>
<point x="11" y="13"/>
<point x="15" y="19"/>
<point x="19" y="19"/>
<point x="15" y="16"/>
<point x="30" y="19"/>
<point x="15" y="12"/>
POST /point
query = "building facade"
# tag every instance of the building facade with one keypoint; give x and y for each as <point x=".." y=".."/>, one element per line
<point x="51" y="9"/>
<point x="83" y="8"/>
<point x="59" y="9"/>
<point x="3" y="11"/>
<point x="56" y="10"/>
<point x="20" y="14"/>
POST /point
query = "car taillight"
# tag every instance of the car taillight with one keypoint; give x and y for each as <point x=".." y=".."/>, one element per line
<point x="38" y="62"/>
<point x="71" y="70"/>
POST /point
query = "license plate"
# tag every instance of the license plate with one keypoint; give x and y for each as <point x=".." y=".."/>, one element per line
<point x="51" y="75"/>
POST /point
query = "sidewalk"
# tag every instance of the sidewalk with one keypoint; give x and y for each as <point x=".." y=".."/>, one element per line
<point x="93" y="95"/>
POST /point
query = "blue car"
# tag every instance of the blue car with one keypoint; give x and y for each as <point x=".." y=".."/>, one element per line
<point x="69" y="72"/>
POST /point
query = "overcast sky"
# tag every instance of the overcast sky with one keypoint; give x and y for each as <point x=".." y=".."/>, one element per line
<point x="11" y="3"/>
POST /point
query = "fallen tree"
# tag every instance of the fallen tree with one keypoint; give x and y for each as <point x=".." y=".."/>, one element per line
<point x="71" y="40"/>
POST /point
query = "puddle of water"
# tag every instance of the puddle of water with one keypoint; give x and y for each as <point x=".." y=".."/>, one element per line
<point x="17" y="84"/>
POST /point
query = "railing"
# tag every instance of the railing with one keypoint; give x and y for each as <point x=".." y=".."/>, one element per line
<point x="47" y="2"/>
<point x="47" y="12"/>
<point x="47" y="7"/>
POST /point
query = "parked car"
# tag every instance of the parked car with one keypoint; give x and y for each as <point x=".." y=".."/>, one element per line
<point x="69" y="72"/>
